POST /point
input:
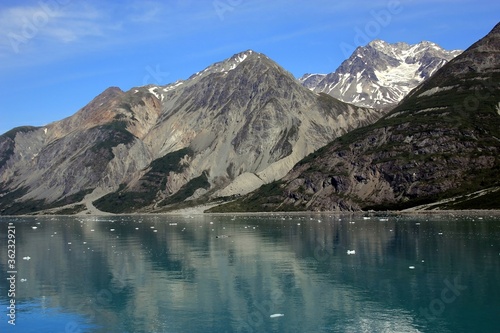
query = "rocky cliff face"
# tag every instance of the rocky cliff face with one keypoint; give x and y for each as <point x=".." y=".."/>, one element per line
<point x="441" y="142"/>
<point x="380" y="74"/>
<point x="226" y="130"/>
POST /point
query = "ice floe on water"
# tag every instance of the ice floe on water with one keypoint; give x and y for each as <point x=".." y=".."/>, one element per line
<point x="276" y="315"/>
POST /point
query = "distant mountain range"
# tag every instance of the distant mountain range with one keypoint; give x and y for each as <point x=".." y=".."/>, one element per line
<point x="380" y="74"/>
<point x="439" y="148"/>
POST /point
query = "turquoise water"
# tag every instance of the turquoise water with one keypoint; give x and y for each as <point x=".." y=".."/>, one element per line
<point x="253" y="273"/>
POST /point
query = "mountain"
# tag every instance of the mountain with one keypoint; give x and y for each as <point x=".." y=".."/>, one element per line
<point x="440" y="148"/>
<point x="380" y="74"/>
<point x="224" y="131"/>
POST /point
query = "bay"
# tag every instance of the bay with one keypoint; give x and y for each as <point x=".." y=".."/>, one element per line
<point x="299" y="272"/>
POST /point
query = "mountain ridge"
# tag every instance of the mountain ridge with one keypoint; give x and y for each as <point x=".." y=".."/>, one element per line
<point x="237" y="124"/>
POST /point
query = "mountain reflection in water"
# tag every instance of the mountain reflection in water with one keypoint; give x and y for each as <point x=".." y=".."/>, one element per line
<point x="254" y="273"/>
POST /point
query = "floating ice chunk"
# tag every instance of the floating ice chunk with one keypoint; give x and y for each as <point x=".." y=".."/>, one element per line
<point x="27" y="258"/>
<point x="298" y="223"/>
<point x="276" y="315"/>
<point x="173" y="223"/>
<point x="33" y="227"/>
<point x="366" y="217"/>
<point x="23" y="280"/>
<point x="111" y="229"/>
<point x="411" y="267"/>
<point x="155" y="230"/>
<point x="211" y="222"/>
<point x="349" y="252"/>
<point x="383" y="219"/>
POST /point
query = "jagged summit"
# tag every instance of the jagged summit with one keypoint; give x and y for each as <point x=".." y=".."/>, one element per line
<point x="229" y="64"/>
<point x="380" y="74"/>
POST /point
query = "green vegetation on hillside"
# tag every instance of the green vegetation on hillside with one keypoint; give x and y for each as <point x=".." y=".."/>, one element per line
<point x="116" y="133"/>
<point x="9" y="205"/>
<point x="153" y="182"/>
<point x="187" y="190"/>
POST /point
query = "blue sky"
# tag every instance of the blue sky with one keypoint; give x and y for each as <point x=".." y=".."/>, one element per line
<point x="56" y="55"/>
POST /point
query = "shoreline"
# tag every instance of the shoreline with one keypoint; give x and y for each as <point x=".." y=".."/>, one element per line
<point x="200" y="211"/>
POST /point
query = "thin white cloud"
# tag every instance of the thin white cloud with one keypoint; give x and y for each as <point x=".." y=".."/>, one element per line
<point x="23" y="25"/>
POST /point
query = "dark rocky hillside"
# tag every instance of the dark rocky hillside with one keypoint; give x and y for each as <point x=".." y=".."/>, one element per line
<point x="439" y="147"/>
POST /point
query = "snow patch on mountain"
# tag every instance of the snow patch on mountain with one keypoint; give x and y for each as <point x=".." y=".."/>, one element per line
<point x="226" y="65"/>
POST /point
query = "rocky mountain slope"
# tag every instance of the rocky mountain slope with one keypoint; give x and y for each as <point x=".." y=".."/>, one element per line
<point x="380" y="74"/>
<point x="441" y="142"/>
<point x="226" y="130"/>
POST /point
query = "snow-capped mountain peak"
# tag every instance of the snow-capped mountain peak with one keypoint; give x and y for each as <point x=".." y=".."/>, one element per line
<point x="380" y="74"/>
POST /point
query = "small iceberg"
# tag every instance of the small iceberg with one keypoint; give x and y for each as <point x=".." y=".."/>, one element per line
<point x="349" y="252"/>
<point x="411" y="267"/>
<point x="276" y="315"/>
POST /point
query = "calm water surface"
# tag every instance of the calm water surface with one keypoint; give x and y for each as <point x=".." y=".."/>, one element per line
<point x="259" y="273"/>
